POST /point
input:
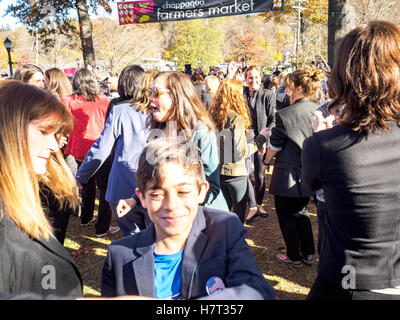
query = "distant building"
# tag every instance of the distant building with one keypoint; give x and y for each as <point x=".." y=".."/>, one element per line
<point x="156" y="63"/>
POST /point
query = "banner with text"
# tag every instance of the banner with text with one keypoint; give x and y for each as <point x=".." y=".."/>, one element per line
<point x="173" y="10"/>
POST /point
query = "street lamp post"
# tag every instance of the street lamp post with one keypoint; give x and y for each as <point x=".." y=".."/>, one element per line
<point x="8" y="44"/>
<point x="298" y="9"/>
<point x="175" y="60"/>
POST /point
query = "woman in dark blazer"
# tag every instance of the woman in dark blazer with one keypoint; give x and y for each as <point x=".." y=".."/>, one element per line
<point x="357" y="164"/>
<point x="32" y="261"/>
<point x="292" y="127"/>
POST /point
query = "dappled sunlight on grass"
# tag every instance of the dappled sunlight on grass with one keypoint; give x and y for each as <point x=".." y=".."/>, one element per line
<point x="88" y="291"/>
<point x="104" y="241"/>
<point x="100" y="252"/>
<point x="70" y="244"/>
<point x="251" y="243"/>
<point x="283" y="284"/>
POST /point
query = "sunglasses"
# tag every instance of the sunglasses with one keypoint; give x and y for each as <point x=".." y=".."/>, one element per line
<point x="155" y="92"/>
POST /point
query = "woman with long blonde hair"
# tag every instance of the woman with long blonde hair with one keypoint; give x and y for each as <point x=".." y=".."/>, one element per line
<point x="232" y="117"/>
<point x="31" y="123"/>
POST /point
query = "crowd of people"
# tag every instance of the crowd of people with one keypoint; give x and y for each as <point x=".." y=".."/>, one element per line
<point x="180" y="160"/>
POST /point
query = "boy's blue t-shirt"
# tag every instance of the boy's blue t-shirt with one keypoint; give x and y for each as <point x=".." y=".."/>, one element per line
<point x="167" y="272"/>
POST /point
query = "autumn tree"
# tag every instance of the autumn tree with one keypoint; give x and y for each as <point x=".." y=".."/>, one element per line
<point x="313" y="26"/>
<point x="117" y="46"/>
<point x="49" y="17"/>
<point x="245" y="40"/>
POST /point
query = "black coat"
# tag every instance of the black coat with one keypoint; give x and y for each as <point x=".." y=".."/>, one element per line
<point x="37" y="267"/>
<point x="360" y="176"/>
<point x="292" y="127"/>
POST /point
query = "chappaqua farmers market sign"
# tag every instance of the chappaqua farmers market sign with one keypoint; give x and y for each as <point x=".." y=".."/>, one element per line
<point x="173" y="10"/>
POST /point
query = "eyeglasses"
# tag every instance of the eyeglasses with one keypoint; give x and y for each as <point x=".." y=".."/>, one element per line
<point x="155" y="92"/>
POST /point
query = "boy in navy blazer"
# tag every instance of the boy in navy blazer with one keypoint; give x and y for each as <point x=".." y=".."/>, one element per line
<point x="188" y="251"/>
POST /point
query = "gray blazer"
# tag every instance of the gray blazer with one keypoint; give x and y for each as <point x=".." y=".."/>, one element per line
<point x="292" y="127"/>
<point x="216" y="246"/>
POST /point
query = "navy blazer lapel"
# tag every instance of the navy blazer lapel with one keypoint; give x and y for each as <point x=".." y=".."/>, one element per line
<point x="194" y="248"/>
<point x="143" y="266"/>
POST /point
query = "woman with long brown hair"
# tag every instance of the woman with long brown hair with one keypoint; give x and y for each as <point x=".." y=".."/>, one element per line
<point x="31" y="123"/>
<point x="178" y="111"/>
<point x="356" y="162"/>
<point x="232" y="118"/>
<point x="57" y="82"/>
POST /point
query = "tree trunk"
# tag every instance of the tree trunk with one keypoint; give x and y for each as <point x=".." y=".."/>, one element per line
<point x="336" y="27"/>
<point x="85" y="33"/>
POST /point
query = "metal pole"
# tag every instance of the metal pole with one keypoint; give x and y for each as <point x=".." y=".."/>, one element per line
<point x="37" y="49"/>
<point x="298" y="37"/>
<point x="9" y="61"/>
<point x="298" y="9"/>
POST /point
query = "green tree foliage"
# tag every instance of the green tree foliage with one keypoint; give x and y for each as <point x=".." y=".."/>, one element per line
<point x="197" y="39"/>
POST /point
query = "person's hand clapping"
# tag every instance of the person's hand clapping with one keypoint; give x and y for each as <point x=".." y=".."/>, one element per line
<point x="124" y="206"/>
<point x="265" y="132"/>
<point x="318" y="122"/>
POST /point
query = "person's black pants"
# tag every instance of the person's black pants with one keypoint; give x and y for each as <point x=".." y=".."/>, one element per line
<point x="259" y="187"/>
<point x="88" y="195"/>
<point x="235" y="193"/>
<point x="73" y="166"/>
<point x="323" y="290"/>
<point x="295" y="225"/>
<point x="57" y="214"/>
<point x="321" y="212"/>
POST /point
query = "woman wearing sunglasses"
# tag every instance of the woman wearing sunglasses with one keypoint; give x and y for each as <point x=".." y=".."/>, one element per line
<point x="178" y="111"/>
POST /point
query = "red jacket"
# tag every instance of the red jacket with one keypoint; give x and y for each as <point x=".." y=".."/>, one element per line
<point x="89" y="123"/>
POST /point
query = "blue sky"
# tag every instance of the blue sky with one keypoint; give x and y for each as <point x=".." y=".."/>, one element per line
<point x="8" y="20"/>
<point x="12" y="22"/>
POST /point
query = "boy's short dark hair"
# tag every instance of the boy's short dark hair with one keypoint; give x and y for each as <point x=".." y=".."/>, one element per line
<point x="161" y="151"/>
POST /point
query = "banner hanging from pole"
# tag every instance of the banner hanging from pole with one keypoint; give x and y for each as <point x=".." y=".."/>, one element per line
<point x="174" y="10"/>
